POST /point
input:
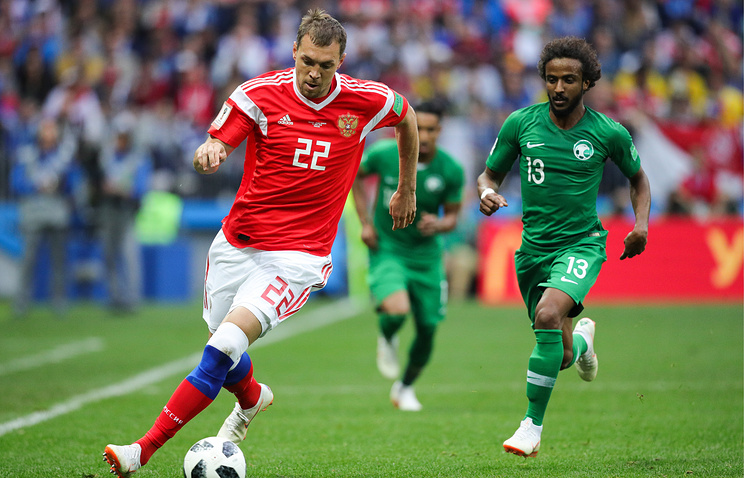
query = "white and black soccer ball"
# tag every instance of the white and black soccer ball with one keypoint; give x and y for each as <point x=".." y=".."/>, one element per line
<point x="214" y="457"/>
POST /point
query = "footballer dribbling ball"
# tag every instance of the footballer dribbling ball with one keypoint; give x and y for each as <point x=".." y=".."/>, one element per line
<point x="214" y="457"/>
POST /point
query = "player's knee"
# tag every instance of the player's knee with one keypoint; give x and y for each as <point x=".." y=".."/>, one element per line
<point x="547" y="318"/>
<point x="230" y="340"/>
<point x="396" y="303"/>
<point x="395" y="309"/>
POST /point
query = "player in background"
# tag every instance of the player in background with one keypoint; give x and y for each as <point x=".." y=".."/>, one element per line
<point x="562" y="147"/>
<point x="406" y="269"/>
<point x="305" y="129"/>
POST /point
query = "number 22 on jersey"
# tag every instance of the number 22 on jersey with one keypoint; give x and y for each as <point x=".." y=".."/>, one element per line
<point x="306" y="149"/>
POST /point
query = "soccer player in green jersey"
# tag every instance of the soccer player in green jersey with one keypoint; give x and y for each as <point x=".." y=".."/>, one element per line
<point x="406" y="270"/>
<point x="562" y="147"/>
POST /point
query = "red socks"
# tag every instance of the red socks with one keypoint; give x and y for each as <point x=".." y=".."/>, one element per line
<point x="185" y="403"/>
<point x="247" y="391"/>
<point x="196" y="392"/>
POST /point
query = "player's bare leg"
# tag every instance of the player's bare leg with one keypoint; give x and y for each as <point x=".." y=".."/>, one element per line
<point x="567" y="337"/>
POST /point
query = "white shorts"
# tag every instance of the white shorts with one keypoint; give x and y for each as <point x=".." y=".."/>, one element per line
<point x="273" y="285"/>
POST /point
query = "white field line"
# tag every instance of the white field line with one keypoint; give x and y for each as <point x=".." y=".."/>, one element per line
<point x="58" y="354"/>
<point x="631" y="389"/>
<point x="318" y="318"/>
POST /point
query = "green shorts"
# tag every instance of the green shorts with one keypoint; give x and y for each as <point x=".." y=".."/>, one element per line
<point x="426" y="284"/>
<point x="573" y="270"/>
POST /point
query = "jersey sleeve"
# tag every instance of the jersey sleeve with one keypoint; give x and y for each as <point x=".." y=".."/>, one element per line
<point x="623" y="152"/>
<point x="232" y="125"/>
<point x="393" y="111"/>
<point x="506" y="147"/>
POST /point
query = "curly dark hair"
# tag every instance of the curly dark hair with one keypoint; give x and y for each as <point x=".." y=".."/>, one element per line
<point x="576" y="48"/>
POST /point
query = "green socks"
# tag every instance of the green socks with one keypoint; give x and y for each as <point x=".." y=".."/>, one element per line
<point x="579" y="347"/>
<point x="390" y="324"/>
<point x="544" y="365"/>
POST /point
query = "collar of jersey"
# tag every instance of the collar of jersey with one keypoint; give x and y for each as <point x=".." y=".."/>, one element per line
<point x="322" y="104"/>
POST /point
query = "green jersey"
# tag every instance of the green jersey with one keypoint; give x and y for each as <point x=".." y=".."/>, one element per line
<point x="560" y="171"/>
<point x="437" y="183"/>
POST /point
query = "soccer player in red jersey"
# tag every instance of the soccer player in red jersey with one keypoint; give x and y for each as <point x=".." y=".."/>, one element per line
<point x="305" y="129"/>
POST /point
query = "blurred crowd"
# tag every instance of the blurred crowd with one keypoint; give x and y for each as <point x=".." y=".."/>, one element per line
<point x="157" y="70"/>
<point x="102" y="101"/>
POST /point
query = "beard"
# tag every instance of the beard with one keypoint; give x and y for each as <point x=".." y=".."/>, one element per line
<point x="567" y="108"/>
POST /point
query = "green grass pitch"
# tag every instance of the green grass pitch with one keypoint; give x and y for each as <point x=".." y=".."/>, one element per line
<point x="668" y="400"/>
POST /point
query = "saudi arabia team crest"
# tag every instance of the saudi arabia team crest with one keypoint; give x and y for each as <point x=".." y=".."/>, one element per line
<point x="347" y="124"/>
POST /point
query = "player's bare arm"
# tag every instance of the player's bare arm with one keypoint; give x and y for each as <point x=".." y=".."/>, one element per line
<point x="210" y="154"/>
<point x="403" y="201"/>
<point x="369" y="235"/>
<point x="430" y="224"/>
<point x="489" y="183"/>
<point x="640" y="199"/>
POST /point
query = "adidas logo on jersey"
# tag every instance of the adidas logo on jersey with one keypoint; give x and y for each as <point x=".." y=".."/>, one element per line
<point x="285" y="121"/>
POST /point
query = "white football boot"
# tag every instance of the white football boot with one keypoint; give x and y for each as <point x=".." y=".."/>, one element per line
<point x="587" y="363"/>
<point x="236" y="424"/>
<point x="124" y="460"/>
<point x="404" y="398"/>
<point x="526" y="440"/>
<point x="387" y="357"/>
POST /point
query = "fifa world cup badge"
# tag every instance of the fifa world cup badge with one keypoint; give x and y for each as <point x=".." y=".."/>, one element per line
<point x="222" y="116"/>
<point x="347" y="124"/>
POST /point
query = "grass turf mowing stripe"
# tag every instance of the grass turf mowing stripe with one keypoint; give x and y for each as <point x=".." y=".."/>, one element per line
<point x="58" y="354"/>
<point x="315" y="319"/>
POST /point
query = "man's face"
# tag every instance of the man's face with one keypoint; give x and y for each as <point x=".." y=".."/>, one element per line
<point x="315" y="66"/>
<point x="564" y="85"/>
<point x="428" y="133"/>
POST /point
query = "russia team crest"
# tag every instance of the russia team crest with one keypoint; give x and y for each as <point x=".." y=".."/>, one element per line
<point x="347" y="124"/>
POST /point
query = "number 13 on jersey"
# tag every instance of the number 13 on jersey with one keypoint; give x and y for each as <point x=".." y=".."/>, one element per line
<point x="535" y="170"/>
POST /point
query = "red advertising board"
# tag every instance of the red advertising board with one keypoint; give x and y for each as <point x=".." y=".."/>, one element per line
<point x="685" y="260"/>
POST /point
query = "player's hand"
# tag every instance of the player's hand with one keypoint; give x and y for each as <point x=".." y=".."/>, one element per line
<point x="635" y="243"/>
<point x="428" y="224"/>
<point x="369" y="236"/>
<point x="403" y="208"/>
<point x="492" y="202"/>
<point x="209" y="156"/>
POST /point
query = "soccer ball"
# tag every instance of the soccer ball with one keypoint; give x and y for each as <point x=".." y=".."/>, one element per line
<point x="214" y="457"/>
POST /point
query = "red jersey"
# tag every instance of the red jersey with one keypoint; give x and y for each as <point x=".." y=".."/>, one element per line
<point x="301" y="156"/>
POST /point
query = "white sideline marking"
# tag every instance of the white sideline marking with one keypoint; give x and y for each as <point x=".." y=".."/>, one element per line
<point x="630" y="389"/>
<point x="62" y="352"/>
<point x="316" y="319"/>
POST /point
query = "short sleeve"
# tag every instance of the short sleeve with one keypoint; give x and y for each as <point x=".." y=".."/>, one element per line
<point x="397" y="111"/>
<point x="506" y="147"/>
<point x="232" y="125"/>
<point x="623" y="152"/>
